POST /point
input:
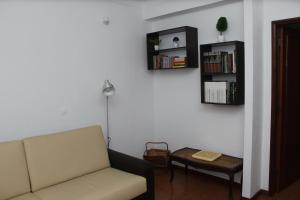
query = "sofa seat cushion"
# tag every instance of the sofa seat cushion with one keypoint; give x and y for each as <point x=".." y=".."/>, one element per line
<point x="28" y="196"/>
<point x="106" y="184"/>
<point x="14" y="178"/>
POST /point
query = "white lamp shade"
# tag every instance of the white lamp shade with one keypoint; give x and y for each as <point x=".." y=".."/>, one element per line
<point x="108" y="88"/>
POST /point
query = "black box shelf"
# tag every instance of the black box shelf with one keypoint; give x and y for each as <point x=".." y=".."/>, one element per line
<point x="165" y="57"/>
<point x="222" y="73"/>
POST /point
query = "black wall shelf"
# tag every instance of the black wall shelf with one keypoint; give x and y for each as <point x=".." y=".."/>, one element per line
<point x="185" y="55"/>
<point x="169" y="49"/>
<point x="222" y="68"/>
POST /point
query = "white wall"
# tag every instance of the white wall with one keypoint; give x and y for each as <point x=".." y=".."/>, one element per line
<point x="258" y="17"/>
<point x="272" y="10"/>
<point x="248" y="120"/>
<point x="159" y="8"/>
<point x="257" y="96"/>
<point x="253" y="105"/>
<point x="180" y="118"/>
<point x="54" y="58"/>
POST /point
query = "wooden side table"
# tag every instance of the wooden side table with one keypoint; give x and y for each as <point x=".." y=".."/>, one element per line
<point x="225" y="164"/>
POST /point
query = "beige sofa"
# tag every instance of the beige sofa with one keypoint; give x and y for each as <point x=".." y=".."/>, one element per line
<point x="73" y="165"/>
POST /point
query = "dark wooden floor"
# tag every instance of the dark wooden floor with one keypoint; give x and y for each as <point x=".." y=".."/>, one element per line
<point x="290" y="193"/>
<point x="196" y="186"/>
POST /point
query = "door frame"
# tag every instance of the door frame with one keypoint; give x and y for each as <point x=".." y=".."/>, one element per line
<point x="276" y="104"/>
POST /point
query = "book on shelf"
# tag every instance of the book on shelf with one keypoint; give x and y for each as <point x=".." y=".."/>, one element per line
<point x="179" y="59"/>
<point x="168" y="62"/>
<point x="223" y="92"/>
<point x="219" y="62"/>
<point x="179" y="62"/>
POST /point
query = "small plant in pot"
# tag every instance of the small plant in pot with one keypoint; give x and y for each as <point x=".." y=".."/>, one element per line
<point x="176" y="42"/>
<point x="156" y="43"/>
<point x="222" y="26"/>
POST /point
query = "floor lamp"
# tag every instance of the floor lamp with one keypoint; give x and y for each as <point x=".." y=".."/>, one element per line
<point x="108" y="90"/>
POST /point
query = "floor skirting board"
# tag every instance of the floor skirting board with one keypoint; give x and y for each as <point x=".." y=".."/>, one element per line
<point x="260" y="192"/>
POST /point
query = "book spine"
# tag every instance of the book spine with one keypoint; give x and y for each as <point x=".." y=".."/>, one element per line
<point x="234" y="62"/>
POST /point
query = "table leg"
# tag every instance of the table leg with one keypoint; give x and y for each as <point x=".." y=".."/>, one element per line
<point x="242" y="179"/>
<point x="231" y="180"/>
<point x="186" y="169"/>
<point x="171" y="170"/>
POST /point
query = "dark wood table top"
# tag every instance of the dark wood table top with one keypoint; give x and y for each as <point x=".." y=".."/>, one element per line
<point x="223" y="163"/>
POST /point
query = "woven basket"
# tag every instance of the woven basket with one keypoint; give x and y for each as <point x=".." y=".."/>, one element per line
<point x="158" y="157"/>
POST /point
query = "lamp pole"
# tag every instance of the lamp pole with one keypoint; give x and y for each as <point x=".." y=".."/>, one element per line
<point x="108" y="90"/>
<point x="107" y="123"/>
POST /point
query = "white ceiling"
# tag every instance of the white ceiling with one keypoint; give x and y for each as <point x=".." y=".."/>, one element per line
<point x="156" y="8"/>
<point x="147" y="1"/>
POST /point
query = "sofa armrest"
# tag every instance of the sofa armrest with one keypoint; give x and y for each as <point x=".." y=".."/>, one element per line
<point x="136" y="166"/>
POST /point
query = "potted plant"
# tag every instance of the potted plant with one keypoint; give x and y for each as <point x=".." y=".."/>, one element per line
<point x="176" y="42"/>
<point x="155" y="42"/>
<point x="222" y="26"/>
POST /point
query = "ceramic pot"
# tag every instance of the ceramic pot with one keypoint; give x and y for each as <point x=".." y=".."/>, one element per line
<point x="175" y="44"/>
<point x="221" y="38"/>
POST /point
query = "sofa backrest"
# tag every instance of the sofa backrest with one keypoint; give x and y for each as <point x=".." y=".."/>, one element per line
<point x="59" y="157"/>
<point x="14" y="179"/>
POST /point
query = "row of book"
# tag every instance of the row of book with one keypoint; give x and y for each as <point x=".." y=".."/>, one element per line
<point x="223" y="92"/>
<point x="166" y="62"/>
<point x="219" y="62"/>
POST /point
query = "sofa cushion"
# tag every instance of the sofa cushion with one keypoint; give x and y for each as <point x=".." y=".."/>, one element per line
<point x="106" y="184"/>
<point x="56" y="158"/>
<point x="28" y="196"/>
<point x="14" y="179"/>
